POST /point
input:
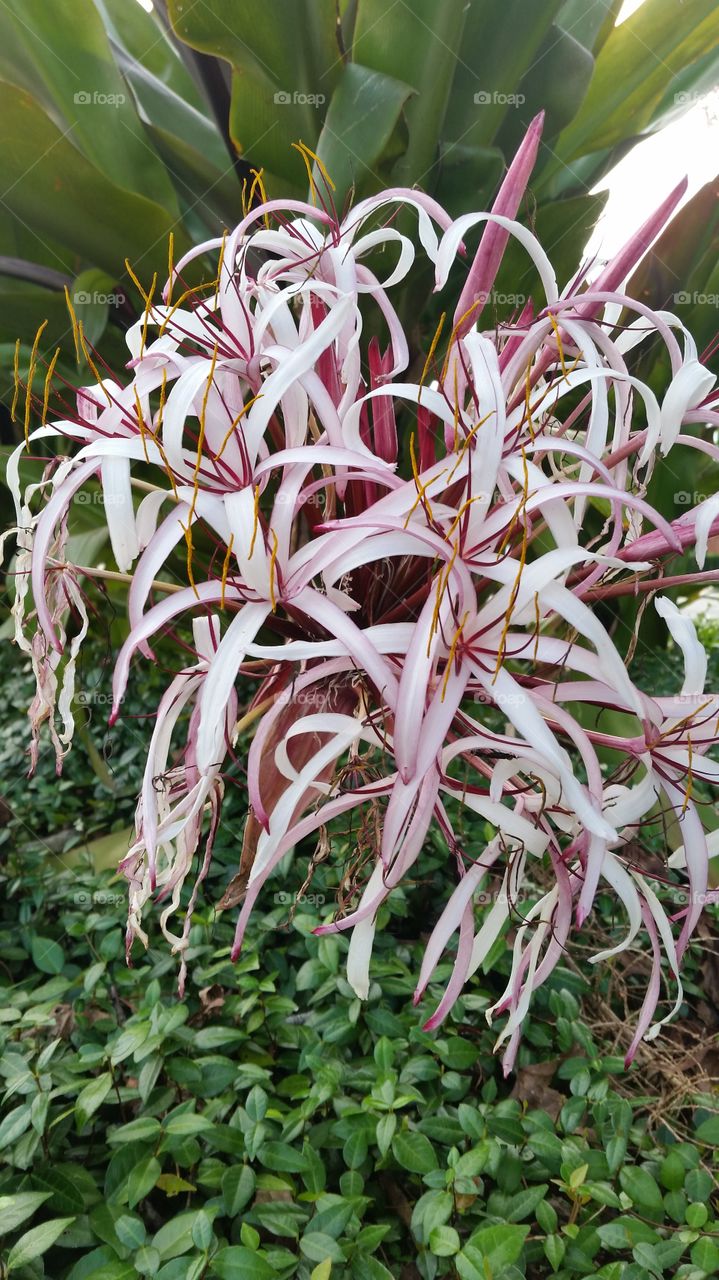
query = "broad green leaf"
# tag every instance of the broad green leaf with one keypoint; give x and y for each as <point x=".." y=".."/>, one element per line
<point x="524" y="1203"/>
<point x="432" y="1210"/>
<point x="186" y="140"/>
<point x="142" y="1179"/>
<point x="66" y="50"/>
<point x="495" y="55"/>
<point x="467" y="177"/>
<point x="215" y="1037"/>
<point x="238" y="1185"/>
<point x="418" y="44"/>
<point x="213" y="193"/>
<point x="638" y="61"/>
<point x="705" y="1255"/>
<point x="386" y="1126"/>
<point x="499" y="1246"/>
<point x="36" y="1242"/>
<point x="642" y="1189"/>
<point x="361" y="118"/>
<point x="15" y="1209"/>
<point x="202" y="1231"/>
<point x="187" y="1123"/>
<point x="102" y="1264"/>
<point x="172" y="1185"/>
<point x="369" y="1269"/>
<point x="22" y="308"/>
<point x="47" y="955"/>
<point x="590" y="21"/>
<point x="282" y="1157"/>
<point x="175" y="1237"/>
<point x="282" y="1218"/>
<point x="333" y="1220"/>
<point x="130" y="1230"/>
<point x="556" y="83"/>
<point x="53" y="187"/>
<point x="444" y="1242"/>
<point x="291" y="43"/>
<point x="414" y="1151"/>
<point x="237" y="1263"/>
<point x="285" y="60"/>
<point x="554" y="1248"/>
<point x="698" y="1184"/>
<point x="144" y="38"/>
<point x="147" y="1261"/>
<point x="14" y="1125"/>
<point x="708" y="1131"/>
<point x="65" y="1184"/>
<point x="145" y="1128"/>
<point x="93" y="293"/>
<point x="38" y="1111"/>
<point x="92" y="1097"/>
<point x="355" y="1149"/>
<point x="317" y="1246"/>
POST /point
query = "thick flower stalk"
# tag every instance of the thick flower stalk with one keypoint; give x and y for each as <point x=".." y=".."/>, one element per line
<point x="410" y="559"/>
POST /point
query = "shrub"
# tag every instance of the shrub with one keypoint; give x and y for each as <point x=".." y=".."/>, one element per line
<point x="393" y="554"/>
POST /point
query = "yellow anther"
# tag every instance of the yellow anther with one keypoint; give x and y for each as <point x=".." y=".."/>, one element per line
<point x="226" y="570"/>
<point x="308" y="154"/>
<point x="30" y="378"/>
<point x="74" y="323"/>
<point x="188" y="293"/>
<point x="141" y="424"/>
<point x="136" y="282"/>
<point x="430" y="353"/>
<point x="146" y="318"/>
<point x="90" y="362"/>
<point x="16" y="380"/>
<point x="256" y="521"/>
<point x="245" y="409"/>
<point x="273" y="562"/>
<point x="170" y="267"/>
<point x="450" y="655"/>
<point x="48" y="384"/>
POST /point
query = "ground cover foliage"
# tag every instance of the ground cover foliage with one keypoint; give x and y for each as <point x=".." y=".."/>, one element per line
<point x="270" y="1124"/>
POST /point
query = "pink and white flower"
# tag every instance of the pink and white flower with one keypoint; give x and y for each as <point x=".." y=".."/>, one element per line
<point x="393" y="554"/>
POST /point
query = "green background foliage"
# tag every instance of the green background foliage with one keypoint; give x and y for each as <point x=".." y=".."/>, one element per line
<point x="271" y="1125"/>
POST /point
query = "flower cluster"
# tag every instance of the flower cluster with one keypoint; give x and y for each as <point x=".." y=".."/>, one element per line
<point x="409" y="555"/>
